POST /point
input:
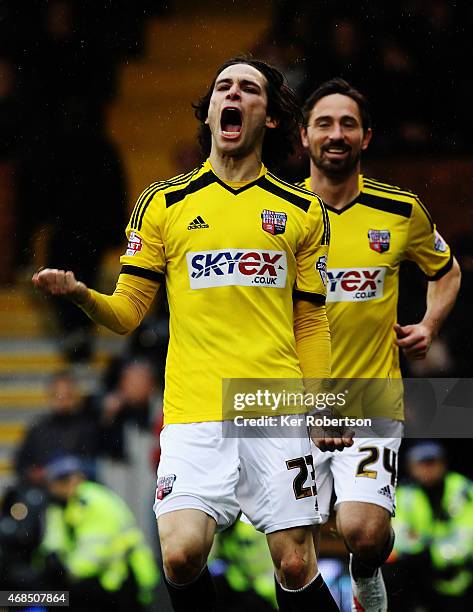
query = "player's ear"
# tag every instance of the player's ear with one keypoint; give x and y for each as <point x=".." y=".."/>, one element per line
<point x="305" y="140"/>
<point x="366" y="139"/>
<point x="207" y="120"/>
<point x="271" y="123"/>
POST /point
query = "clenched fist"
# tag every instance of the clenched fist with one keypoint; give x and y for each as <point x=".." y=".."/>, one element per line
<point x="414" y="340"/>
<point x="60" y="282"/>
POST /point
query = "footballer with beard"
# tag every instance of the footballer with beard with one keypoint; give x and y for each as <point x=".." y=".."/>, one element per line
<point x="374" y="226"/>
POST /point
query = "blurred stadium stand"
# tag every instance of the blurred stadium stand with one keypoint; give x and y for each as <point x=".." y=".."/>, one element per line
<point x="150" y="120"/>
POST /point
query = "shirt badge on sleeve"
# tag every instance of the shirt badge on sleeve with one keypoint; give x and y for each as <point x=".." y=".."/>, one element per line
<point x="321" y="267"/>
<point x="274" y="222"/>
<point x="135" y="244"/>
<point x="439" y="243"/>
<point x="379" y="240"/>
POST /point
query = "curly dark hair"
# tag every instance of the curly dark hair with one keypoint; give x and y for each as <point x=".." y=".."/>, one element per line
<point x="339" y="86"/>
<point x="278" y="142"/>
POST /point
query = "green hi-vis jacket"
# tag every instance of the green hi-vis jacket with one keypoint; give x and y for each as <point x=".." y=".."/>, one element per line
<point x="95" y="536"/>
<point x="448" y="538"/>
<point x="249" y="562"/>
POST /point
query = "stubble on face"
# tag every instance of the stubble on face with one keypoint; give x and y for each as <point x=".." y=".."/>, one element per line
<point x="335" y="136"/>
<point x="336" y="168"/>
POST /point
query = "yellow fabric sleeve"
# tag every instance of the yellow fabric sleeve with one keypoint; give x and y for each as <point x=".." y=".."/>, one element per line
<point x="124" y="310"/>
<point x="312" y="333"/>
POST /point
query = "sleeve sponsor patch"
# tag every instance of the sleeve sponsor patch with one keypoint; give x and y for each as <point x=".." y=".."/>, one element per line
<point x="439" y="243"/>
<point x="135" y="244"/>
<point x="321" y="267"/>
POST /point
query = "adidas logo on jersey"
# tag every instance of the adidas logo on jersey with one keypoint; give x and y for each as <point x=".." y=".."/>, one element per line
<point x="197" y="223"/>
<point x="386" y="491"/>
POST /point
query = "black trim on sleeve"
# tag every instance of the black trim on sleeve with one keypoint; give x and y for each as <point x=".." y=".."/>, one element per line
<point x="142" y="273"/>
<point x="427" y="214"/>
<point x="151" y="191"/>
<point x="141" y="212"/>
<point x="315" y="298"/>
<point x="447" y="267"/>
<point x="326" y="234"/>
<point x="378" y="186"/>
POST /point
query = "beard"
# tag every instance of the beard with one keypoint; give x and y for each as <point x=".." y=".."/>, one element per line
<point x="337" y="168"/>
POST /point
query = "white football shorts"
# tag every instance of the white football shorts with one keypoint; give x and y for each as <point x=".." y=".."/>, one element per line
<point x="270" y="479"/>
<point x="365" y="472"/>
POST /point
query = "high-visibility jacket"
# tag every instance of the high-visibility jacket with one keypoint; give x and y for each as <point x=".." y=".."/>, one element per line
<point x="249" y="561"/>
<point x="448" y="537"/>
<point x="95" y="535"/>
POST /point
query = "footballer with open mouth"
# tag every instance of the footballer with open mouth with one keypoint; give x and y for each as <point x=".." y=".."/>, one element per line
<point x="231" y="122"/>
<point x="237" y="114"/>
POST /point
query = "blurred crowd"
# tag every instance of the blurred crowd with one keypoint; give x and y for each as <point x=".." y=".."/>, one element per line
<point x="406" y="56"/>
<point x="58" y="71"/>
<point x="431" y="567"/>
<point x="78" y="515"/>
<point x="59" y="171"/>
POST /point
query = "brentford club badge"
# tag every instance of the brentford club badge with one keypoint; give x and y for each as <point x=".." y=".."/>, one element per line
<point x="273" y="222"/>
<point x="164" y="486"/>
<point x="379" y="240"/>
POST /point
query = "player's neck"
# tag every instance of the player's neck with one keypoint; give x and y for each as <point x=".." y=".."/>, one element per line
<point x="238" y="169"/>
<point x="337" y="193"/>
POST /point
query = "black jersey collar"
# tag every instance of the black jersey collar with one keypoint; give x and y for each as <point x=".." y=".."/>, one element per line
<point x="339" y="211"/>
<point x="235" y="191"/>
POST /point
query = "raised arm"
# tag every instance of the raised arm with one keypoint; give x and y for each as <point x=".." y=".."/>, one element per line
<point x="120" y="312"/>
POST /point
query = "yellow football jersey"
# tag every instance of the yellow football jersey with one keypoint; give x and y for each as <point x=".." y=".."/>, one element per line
<point x="370" y="237"/>
<point x="231" y="257"/>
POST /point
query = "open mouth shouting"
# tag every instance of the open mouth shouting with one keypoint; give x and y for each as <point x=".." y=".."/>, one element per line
<point x="231" y="122"/>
